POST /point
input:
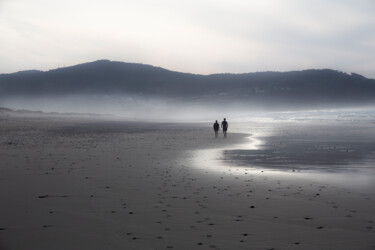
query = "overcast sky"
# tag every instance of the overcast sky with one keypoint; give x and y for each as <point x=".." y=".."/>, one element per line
<point x="197" y="36"/>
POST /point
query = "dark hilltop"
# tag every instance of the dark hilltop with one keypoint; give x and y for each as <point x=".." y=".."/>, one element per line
<point x="110" y="84"/>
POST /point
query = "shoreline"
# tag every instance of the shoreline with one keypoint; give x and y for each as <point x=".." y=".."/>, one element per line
<point x="113" y="185"/>
<point x="333" y="155"/>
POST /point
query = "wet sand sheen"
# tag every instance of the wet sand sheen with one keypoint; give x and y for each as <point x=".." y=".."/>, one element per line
<point x="93" y="184"/>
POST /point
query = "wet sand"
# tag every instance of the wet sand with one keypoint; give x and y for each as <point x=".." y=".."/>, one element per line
<point x="70" y="183"/>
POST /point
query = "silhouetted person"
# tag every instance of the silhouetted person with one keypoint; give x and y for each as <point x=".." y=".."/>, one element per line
<point x="224" y="125"/>
<point x="216" y="128"/>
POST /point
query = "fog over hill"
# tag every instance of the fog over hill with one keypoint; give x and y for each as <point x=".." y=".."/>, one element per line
<point x="142" y="90"/>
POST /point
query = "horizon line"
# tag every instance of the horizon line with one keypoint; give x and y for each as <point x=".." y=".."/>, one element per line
<point x="154" y="66"/>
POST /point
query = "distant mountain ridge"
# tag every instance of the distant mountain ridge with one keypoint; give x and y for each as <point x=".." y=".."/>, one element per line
<point x="307" y="88"/>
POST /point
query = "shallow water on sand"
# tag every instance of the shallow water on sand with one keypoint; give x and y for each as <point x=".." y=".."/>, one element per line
<point x="336" y="147"/>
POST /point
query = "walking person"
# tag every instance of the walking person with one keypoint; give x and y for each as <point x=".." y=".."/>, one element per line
<point x="216" y="128"/>
<point x="224" y="125"/>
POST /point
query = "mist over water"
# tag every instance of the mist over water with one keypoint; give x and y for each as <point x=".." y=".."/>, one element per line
<point x="131" y="107"/>
<point x="145" y="92"/>
<point x="163" y="109"/>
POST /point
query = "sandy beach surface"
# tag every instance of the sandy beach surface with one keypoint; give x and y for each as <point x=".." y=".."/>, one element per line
<point x="95" y="183"/>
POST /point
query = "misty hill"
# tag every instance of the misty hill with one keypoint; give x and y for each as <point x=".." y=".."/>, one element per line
<point x="111" y="81"/>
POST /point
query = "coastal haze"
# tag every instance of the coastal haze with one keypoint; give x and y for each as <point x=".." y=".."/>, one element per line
<point x="147" y="92"/>
<point x="121" y="153"/>
<point x="117" y="155"/>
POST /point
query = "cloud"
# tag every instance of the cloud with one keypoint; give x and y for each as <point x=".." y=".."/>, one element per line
<point x="191" y="36"/>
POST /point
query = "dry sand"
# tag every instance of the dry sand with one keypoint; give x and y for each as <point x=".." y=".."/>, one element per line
<point x="70" y="183"/>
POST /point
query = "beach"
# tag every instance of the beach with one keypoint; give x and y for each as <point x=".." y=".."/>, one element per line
<point x="105" y="183"/>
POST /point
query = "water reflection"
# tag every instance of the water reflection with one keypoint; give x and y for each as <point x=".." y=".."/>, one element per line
<point x="336" y="152"/>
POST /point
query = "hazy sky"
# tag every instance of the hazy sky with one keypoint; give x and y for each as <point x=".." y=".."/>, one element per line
<point x="198" y="36"/>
